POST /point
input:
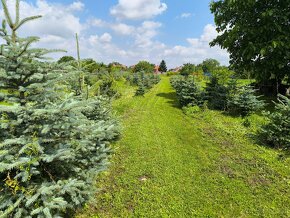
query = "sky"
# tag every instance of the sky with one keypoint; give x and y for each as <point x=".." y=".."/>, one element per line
<point x="127" y="31"/>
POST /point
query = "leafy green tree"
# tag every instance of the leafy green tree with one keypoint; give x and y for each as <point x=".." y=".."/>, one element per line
<point x="66" y="59"/>
<point x="187" y="69"/>
<point x="163" y="67"/>
<point x="209" y="65"/>
<point x="144" y="66"/>
<point x="256" y="34"/>
<point x="223" y="74"/>
<point x="52" y="142"/>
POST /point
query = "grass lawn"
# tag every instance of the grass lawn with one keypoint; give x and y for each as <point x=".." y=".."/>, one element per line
<point x="168" y="164"/>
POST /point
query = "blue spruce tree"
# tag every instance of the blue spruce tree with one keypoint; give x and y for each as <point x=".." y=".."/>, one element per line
<point x="52" y="143"/>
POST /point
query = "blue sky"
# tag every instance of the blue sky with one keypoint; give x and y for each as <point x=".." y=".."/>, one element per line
<point x="127" y="30"/>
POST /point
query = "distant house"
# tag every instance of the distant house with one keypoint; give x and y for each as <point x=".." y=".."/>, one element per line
<point x="177" y="69"/>
<point x="122" y="66"/>
<point x="156" y="69"/>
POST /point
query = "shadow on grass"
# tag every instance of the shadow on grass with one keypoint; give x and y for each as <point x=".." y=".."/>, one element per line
<point x="171" y="97"/>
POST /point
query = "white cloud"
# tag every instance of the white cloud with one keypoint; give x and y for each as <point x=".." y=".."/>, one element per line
<point x="97" y="22"/>
<point x="198" y="49"/>
<point x="123" y="29"/>
<point x="145" y="33"/>
<point x="106" y="38"/>
<point x="138" y="9"/>
<point x="209" y="33"/>
<point x="94" y="40"/>
<point x="57" y="20"/>
<point x="76" y="6"/>
<point x="185" y="15"/>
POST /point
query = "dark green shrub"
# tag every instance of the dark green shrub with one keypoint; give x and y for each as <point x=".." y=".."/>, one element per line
<point x="277" y="131"/>
<point x="216" y="94"/>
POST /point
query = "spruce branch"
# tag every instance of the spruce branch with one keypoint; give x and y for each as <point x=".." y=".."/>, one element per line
<point x="4" y="30"/>
<point x="25" y="20"/>
<point x="17" y="12"/>
<point x="25" y="47"/>
<point x="78" y="50"/>
<point x="7" y="14"/>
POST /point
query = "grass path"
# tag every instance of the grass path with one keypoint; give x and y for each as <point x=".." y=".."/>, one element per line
<point x="171" y="165"/>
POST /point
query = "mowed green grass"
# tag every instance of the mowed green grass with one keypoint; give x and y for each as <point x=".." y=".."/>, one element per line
<point x="168" y="164"/>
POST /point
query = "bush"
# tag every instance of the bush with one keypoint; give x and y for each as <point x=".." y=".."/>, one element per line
<point x="187" y="90"/>
<point x="245" y="101"/>
<point x="171" y="73"/>
<point x="277" y="131"/>
<point x="103" y="83"/>
<point x="223" y="74"/>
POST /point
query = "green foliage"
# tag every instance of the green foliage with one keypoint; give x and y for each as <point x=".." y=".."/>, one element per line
<point x="245" y="101"/>
<point x="188" y="90"/>
<point x="52" y="142"/>
<point x="171" y="73"/>
<point x="187" y="69"/>
<point x="163" y="67"/>
<point x="223" y="74"/>
<point x="141" y="90"/>
<point x="66" y="59"/>
<point x="216" y="94"/>
<point x="209" y="65"/>
<point x="103" y="83"/>
<point x="191" y="110"/>
<point x="256" y="34"/>
<point x="277" y="131"/>
<point x="143" y="66"/>
<point x="144" y="81"/>
<point x="92" y="66"/>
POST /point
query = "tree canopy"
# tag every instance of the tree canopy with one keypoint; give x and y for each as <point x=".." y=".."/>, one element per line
<point x="66" y="59"/>
<point x="256" y="33"/>
<point x="187" y="69"/>
<point x="144" y="66"/>
<point x="209" y="65"/>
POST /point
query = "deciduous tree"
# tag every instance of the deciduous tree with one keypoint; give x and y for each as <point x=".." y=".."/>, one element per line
<point x="256" y="33"/>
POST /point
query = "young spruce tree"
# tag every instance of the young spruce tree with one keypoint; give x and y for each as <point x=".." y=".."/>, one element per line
<point x="52" y="143"/>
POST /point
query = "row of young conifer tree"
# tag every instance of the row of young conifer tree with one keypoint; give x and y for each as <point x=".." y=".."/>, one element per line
<point x="235" y="99"/>
<point x="54" y="136"/>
